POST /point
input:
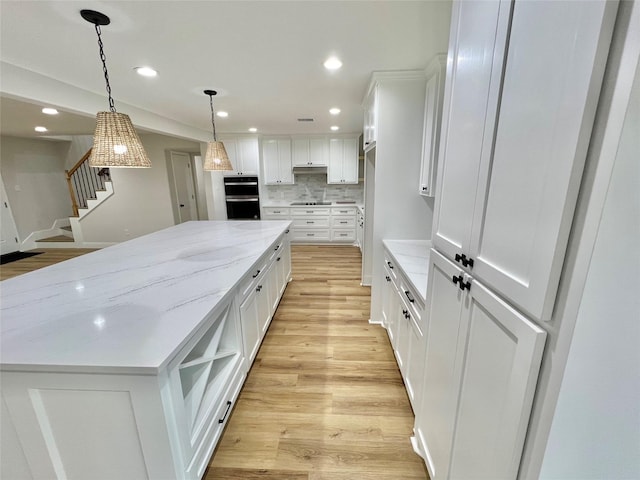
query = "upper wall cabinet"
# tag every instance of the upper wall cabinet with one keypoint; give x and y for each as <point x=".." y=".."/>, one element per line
<point x="435" y="73"/>
<point x="244" y="154"/>
<point x="343" y="160"/>
<point x="276" y="158"/>
<point x="310" y="151"/>
<point x="370" y="118"/>
<point x="522" y="86"/>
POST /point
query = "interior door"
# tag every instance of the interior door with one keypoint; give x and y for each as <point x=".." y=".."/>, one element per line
<point x="184" y="187"/>
<point x="530" y="173"/>
<point x="9" y="241"/>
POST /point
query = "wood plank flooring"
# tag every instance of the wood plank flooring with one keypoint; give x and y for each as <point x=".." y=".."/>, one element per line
<point x="324" y="399"/>
<point x="49" y="256"/>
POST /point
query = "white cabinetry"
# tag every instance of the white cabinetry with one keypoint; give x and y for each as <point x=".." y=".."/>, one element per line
<point x="310" y="151"/>
<point x="359" y="229"/>
<point x="343" y="160"/>
<point x="434" y="94"/>
<point x="343" y="224"/>
<point x="514" y="141"/>
<point x="276" y="160"/>
<point x="244" y="155"/>
<point x="403" y="317"/>
<point x="311" y="224"/>
<point x="370" y="105"/>
<point x="481" y="367"/>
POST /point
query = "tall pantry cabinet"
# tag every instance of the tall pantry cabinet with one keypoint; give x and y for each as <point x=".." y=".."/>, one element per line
<point x="523" y="81"/>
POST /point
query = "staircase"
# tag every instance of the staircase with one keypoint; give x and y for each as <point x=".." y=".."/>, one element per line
<point x="88" y="188"/>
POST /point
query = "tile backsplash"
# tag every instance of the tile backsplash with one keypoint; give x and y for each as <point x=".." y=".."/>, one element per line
<point x="314" y="187"/>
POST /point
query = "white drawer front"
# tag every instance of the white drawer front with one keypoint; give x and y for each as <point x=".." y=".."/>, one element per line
<point x="343" y="235"/>
<point x="326" y="211"/>
<point x="343" y="222"/>
<point x="311" y="222"/>
<point x="343" y="210"/>
<point x="277" y="211"/>
<point x="311" y="235"/>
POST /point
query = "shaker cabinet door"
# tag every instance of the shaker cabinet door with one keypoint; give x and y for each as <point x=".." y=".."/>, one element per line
<point x="435" y="415"/>
<point x="477" y="39"/>
<point x="530" y="173"/>
<point x="501" y="364"/>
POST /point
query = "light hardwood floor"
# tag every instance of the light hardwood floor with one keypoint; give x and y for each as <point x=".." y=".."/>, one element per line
<point x="324" y="399"/>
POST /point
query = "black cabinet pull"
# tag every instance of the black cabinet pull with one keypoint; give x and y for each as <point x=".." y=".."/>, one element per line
<point x="278" y="259"/>
<point x="409" y="296"/>
<point x="226" y="412"/>
<point x="258" y="288"/>
<point x="461" y="283"/>
<point x="390" y="266"/>
<point x="466" y="262"/>
<point x="286" y="231"/>
<point x="277" y="247"/>
<point x="405" y="312"/>
<point x="388" y="278"/>
<point x="458" y="257"/>
<point x="257" y="273"/>
<point x="424" y="188"/>
<point x="407" y="316"/>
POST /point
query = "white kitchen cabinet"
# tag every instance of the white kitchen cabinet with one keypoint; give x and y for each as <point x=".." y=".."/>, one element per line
<point x="509" y="182"/>
<point x="370" y="127"/>
<point x="481" y="368"/>
<point x="276" y="161"/>
<point x="310" y="151"/>
<point x="343" y="161"/>
<point x="244" y="155"/>
<point x="434" y="95"/>
<point x="359" y="229"/>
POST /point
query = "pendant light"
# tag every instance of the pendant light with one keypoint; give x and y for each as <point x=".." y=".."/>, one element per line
<point x="115" y="141"/>
<point x="216" y="157"/>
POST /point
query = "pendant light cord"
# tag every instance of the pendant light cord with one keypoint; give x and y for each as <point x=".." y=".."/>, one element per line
<point x="213" y="123"/>
<point x="104" y="68"/>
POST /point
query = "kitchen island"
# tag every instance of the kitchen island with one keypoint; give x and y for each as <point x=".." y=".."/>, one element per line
<point x="125" y="363"/>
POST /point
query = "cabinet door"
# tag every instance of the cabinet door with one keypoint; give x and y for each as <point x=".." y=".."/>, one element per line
<point x="300" y="152"/>
<point x="477" y="38"/>
<point x="402" y="340"/>
<point x="264" y="303"/>
<point x="271" y="161"/>
<point x="284" y="162"/>
<point x="435" y="417"/>
<point x="387" y="292"/>
<point x="530" y="174"/>
<point x="432" y="121"/>
<point x="350" y="161"/>
<point x="318" y="151"/>
<point x="415" y="363"/>
<point x="248" y="153"/>
<point x="250" y="327"/>
<point x="501" y="365"/>
<point x="336" y="155"/>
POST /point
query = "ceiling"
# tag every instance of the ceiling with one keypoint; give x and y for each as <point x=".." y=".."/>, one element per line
<point x="264" y="58"/>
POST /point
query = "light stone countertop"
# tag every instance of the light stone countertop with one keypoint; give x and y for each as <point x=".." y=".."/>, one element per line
<point x="412" y="256"/>
<point x="131" y="307"/>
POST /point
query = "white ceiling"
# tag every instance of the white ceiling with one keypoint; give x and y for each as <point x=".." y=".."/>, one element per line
<point x="264" y="58"/>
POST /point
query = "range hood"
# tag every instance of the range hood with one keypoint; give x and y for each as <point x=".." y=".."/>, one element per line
<point x="310" y="169"/>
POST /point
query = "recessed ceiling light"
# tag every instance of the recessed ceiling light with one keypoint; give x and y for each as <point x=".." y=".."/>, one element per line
<point x="223" y="114"/>
<point x="40" y="129"/>
<point x="253" y="129"/>
<point x="334" y="111"/>
<point x="335" y="128"/>
<point x="332" y="63"/>
<point x="50" y="111"/>
<point x="146" y="71"/>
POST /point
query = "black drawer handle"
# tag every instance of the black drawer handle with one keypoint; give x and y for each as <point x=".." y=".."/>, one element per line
<point x="277" y="247"/>
<point x="286" y="231"/>
<point x="388" y="278"/>
<point x="310" y="222"/>
<point x="461" y="283"/>
<point x="405" y="312"/>
<point x="258" y="288"/>
<point x="344" y="223"/>
<point x="278" y="259"/>
<point x="257" y="273"/>
<point x="390" y="266"/>
<point x="311" y="234"/>
<point x="226" y="412"/>
<point x="409" y="296"/>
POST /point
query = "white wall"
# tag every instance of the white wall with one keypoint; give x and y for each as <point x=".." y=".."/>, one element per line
<point x="596" y="429"/>
<point x="141" y="202"/>
<point x="33" y="173"/>
<point x="80" y="144"/>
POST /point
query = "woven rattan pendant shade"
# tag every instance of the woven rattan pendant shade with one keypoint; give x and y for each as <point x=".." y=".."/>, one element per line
<point x="216" y="157"/>
<point x="116" y="143"/>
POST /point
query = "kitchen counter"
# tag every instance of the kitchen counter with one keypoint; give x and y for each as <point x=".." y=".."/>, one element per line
<point x="131" y="307"/>
<point x="412" y="256"/>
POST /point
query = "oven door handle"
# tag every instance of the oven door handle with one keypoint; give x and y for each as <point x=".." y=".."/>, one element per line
<point x="253" y="199"/>
<point x="241" y="183"/>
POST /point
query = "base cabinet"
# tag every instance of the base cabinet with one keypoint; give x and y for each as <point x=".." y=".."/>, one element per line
<point x="481" y="368"/>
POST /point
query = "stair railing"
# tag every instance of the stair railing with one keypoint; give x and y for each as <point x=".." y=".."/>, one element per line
<point x="83" y="182"/>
